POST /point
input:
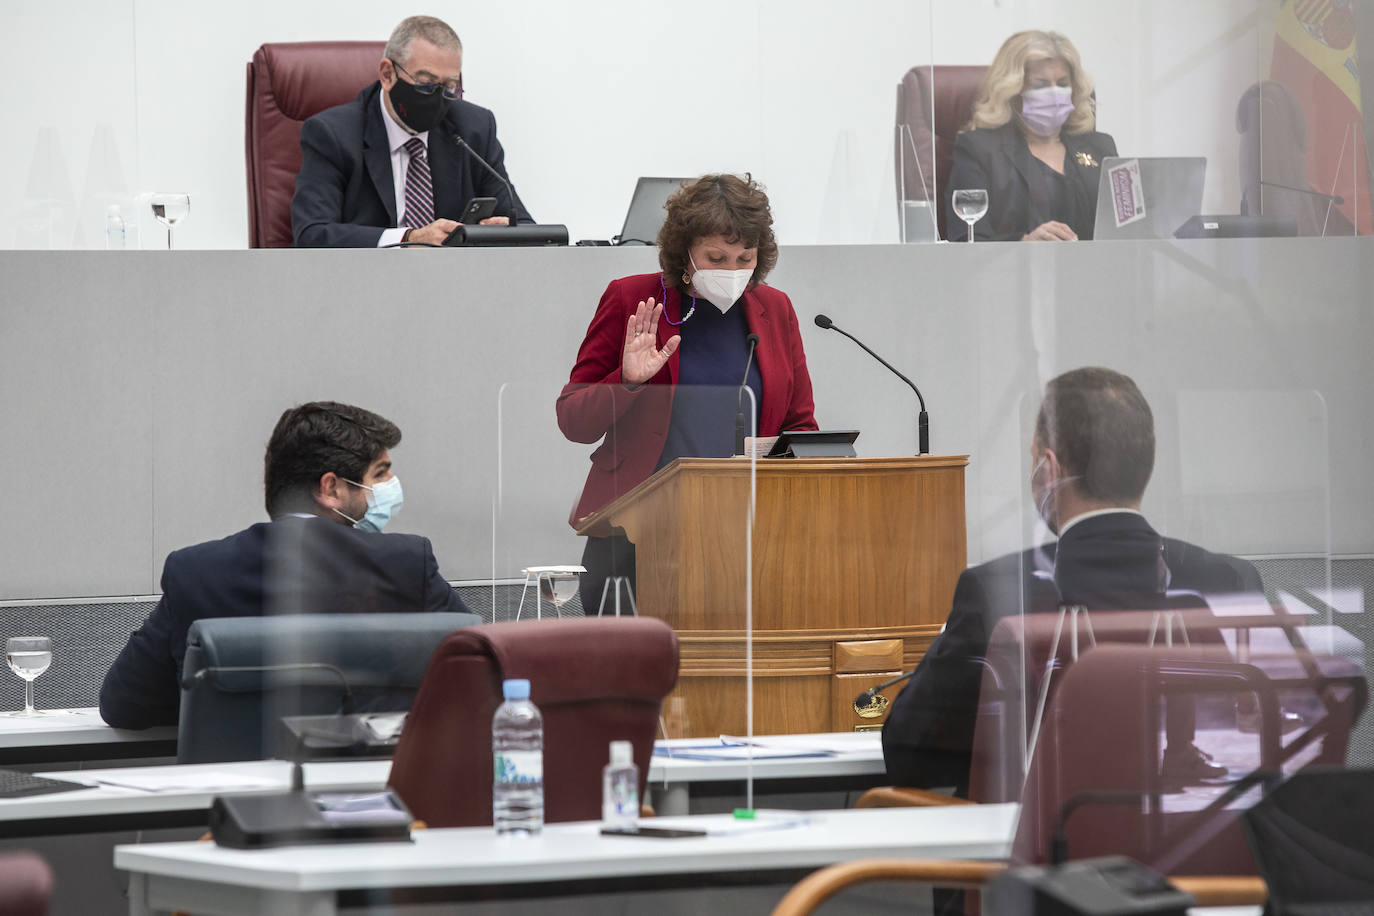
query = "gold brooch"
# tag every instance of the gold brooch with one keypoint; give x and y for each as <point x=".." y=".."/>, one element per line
<point x="1086" y="160"/>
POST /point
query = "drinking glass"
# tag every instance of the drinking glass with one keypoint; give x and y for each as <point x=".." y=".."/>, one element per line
<point x="169" y="208"/>
<point x="28" y="657"/>
<point x="558" y="588"/>
<point x="971" y="205"/>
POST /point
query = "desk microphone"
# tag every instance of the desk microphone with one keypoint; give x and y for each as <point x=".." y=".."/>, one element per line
<point x="510" y="192"/>
<point x="866" y="699"/>
<point x="1333" y="198"/>
<point x="923" y="420"/>
<point x="741" y="422"/>
<point x="346" y="703"/>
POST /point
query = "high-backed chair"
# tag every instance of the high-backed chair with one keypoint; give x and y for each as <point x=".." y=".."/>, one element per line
<point x="287" y="83"/>
<point x="934" y="102"/>
<point x="1099" y="754"/>
<point x="1100" y="751"/>
<point x="594" y="680"/>
<point x="231" y="715"/>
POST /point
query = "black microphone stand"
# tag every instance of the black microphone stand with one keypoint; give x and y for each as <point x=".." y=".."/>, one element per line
<point x="510" y="192"/>
<point x="922" y="419"/>
<point x="741" y="423"/>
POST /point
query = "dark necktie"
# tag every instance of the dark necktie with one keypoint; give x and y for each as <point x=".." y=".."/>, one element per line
<point x="419" y="188"/>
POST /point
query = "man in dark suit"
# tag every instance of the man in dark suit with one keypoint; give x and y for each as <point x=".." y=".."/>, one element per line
<point x="386" y="167"/>
<point x="1093" y="453"/>
<point x="330" y="492"/>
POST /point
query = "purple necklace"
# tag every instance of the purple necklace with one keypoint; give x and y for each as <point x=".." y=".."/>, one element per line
<point x="690" y="312"/>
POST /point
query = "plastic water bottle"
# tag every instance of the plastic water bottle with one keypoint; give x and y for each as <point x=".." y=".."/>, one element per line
<point x="620" y="788"/>
<point x="517" y="746"/>
<point x="115" y="230"/>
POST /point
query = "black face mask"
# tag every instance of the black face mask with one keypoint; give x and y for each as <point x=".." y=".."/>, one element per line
<point x="416" y="110"/>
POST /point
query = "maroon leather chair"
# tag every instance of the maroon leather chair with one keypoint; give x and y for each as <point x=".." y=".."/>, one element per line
<point x="595" y="681"/>
<point x="288" y="83"/>
<point x="25" y="884"/>
<point x="1103" y="734"/>
<point x="935" y="102"/>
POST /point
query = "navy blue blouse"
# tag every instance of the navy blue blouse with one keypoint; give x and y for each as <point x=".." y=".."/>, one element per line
<point x="711" y="361"/>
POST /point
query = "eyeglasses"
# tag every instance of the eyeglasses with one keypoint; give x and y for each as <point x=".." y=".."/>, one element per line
<point x="427" y="85"/>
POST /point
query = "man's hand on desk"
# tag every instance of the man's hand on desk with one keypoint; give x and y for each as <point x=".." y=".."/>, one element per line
<point x="496" y="221"/>
<point x="434" y="233"/>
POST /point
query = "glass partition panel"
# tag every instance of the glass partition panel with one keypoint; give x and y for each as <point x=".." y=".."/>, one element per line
<point x="1248" y="112"/>
<point x="636" y="522"/>
<point x="68" y="164"/>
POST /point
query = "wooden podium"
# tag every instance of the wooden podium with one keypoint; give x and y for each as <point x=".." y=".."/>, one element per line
<point x="854" y="566"/>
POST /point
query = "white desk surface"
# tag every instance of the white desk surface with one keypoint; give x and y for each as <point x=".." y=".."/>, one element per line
<point x="75" y="726"/>
<point x="860" y="755"/>
<point x="476" y="856"/>
<point x="854" y="754"/>
<point x="101" y="800"/>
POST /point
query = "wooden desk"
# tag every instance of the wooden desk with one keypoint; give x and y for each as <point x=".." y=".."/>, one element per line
<point x="854" y="561"/>
<point x="78" y="736"/>
<point x="471" y="863"/>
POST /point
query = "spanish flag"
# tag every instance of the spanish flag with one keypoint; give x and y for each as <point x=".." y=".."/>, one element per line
<point x="1315" y="58"/>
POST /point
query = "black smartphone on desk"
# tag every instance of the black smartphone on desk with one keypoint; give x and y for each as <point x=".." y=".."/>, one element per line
<point x="658" y="833"/>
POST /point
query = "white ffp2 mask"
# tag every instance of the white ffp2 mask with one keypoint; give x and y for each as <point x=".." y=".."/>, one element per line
<point x="721" y="288"/>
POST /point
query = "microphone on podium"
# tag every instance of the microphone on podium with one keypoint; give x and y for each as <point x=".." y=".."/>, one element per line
<point x="741" y="422"/>
<point x="923" y="419"/>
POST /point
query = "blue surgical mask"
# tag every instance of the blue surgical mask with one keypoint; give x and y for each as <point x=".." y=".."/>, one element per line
<point x="384" y="500"/>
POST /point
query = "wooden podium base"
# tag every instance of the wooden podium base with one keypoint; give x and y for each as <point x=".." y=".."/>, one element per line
<point x="854" y="562"/>
<point x="804" y="681"/>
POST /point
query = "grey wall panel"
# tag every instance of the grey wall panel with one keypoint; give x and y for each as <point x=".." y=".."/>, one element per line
<point x="140" y="388"/>
<point x="76" y="418"/>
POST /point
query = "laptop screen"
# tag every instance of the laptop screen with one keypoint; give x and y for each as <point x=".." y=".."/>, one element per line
<point x="645" y="216"/>
<point x="1147" y="198"/>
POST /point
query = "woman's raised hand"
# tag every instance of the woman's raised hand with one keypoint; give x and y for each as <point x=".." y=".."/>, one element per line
<point x="641" y="359"/>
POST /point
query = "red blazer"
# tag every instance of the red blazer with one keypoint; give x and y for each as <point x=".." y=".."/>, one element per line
<point x="595" y="406"/>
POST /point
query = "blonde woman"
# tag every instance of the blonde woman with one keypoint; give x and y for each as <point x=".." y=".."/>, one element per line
<point x="1032" y="144"/>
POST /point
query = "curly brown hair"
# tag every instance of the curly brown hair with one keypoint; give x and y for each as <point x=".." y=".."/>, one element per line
<point x="727" y="205"/>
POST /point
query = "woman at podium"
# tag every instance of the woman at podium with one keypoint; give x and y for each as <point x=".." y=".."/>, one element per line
<point x="673" y="361"/>
<point x="1032" y="144"/>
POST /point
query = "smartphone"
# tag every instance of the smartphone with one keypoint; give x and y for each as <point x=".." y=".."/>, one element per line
<point x="661" y="833"/>
<point x="478" y="209"/>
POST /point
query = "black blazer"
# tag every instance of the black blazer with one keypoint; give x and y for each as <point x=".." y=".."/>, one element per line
<point x="345" y="194"/>
<point x="289" y="566"/>
<point x="1108" y="562"/>
<point x="1000" y="161"/>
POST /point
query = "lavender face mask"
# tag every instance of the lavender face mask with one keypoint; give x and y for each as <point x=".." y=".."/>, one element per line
<point x="1044" y="111"/>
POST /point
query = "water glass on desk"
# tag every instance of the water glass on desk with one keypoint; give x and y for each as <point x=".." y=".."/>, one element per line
<point x="971" y="205"/>
<point x="28" y="657"/>
<point x="169" y="208"/>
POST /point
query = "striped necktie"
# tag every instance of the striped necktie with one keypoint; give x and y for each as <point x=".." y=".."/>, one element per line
<point x="419" y="187"/>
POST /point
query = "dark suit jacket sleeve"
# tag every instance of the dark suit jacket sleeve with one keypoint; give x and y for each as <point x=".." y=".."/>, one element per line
<point x="486" y="183"/>
<point x="141" y="688"/>
<point x="318" y="204"/>
<point x="439" y="595"/>
<point x="928" y="735"/>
